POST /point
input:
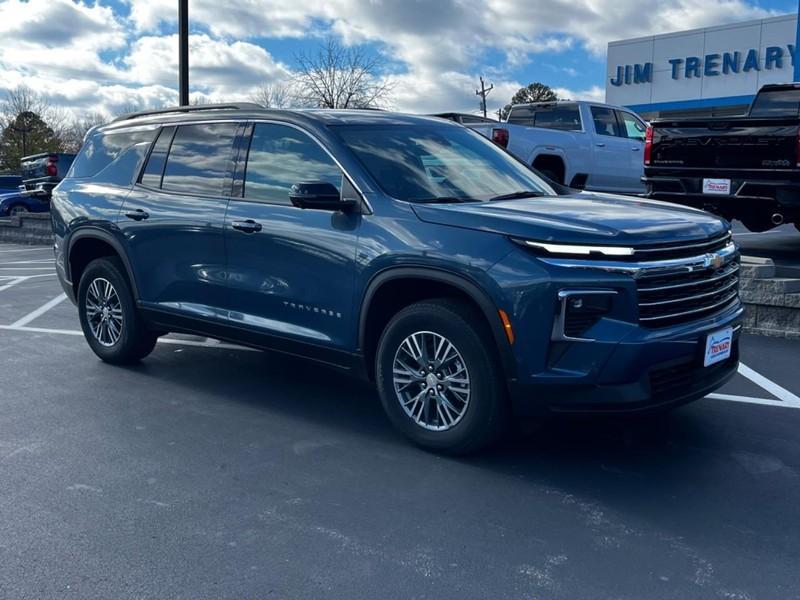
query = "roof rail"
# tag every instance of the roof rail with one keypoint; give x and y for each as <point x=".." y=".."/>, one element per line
<point x="188" y="109"/>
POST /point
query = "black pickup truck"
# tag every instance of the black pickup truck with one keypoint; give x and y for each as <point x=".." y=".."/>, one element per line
<point x="745" y="167"/>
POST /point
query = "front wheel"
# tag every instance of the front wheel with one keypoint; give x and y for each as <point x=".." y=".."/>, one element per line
<point x="109" y="318"/>
<point x="439" y="378"/>
<point x="17" y="211"/>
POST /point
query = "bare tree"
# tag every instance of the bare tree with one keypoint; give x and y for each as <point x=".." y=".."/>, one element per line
<point x="30" y="124"/>
<point x="75" y="134"/>
<point x="273" y="95"/>
<point x="341" y="77"/>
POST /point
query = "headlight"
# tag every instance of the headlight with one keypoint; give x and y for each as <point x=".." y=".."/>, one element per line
<point x="577" y="249"/>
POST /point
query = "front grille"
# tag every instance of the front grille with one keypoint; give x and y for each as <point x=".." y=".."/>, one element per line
<point x="671" y="299"/>
<point x="683" y="378"/>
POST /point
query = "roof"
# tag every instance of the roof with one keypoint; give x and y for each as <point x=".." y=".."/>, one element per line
<point x="240" y="111"/>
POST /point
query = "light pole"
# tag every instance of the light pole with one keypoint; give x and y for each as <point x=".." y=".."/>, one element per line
<point x="183" y="52"/>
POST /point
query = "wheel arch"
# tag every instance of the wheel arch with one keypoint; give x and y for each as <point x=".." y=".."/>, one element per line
<point x="89" y="243"/>
<point x="379" y="304"/>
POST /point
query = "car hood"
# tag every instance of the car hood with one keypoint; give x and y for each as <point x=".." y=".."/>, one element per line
<point x="579" y="218"/>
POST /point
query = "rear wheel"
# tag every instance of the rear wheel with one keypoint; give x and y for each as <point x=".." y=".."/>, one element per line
<point x="109" y="318"/>
<point x="17" y="210"/>
<point x="439" y="380"/>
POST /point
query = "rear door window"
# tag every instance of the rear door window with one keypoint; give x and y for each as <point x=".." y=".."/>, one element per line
<point x="281" y="156"/>
<point x="199" y="160"/>
<point x="605" y="122"/>
<point x="154" y="170"/>
<point x="632" y="127"/>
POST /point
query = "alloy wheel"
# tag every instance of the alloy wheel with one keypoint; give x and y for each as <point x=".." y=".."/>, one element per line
<point x="431" y="380"/>
<point x="104" y="312"/>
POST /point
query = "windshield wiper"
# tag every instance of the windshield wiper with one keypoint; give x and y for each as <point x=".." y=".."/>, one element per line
<point x="444" y="199"/>
<point x="516" y="195"/>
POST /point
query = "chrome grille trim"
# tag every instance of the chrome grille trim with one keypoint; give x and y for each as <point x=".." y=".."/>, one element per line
<point x="679" y="248"/>
<point x="650" y="268"/>
<point x="726" y="287"/>
<point x="722" y="303"/>
<point x="731" y="269"/>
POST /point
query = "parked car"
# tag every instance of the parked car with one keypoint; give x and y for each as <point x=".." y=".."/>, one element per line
<point x="583" y="145"/>
<point x="745" y="168"/>
<point x="406" y="250"/>
<point x="40" y="174"/>
<point x="9" y="183"/>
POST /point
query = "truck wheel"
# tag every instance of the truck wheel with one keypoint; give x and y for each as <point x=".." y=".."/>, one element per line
<point x="439" y="380"/>
<point x="110" y="321"/>
<point x="17" y="210"/>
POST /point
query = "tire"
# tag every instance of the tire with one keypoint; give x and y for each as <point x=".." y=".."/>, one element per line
<point x="123" y="337"/>
<point x="17" y="211"/>
<point x="551" y="175"/>
<point x="457" y="421"/>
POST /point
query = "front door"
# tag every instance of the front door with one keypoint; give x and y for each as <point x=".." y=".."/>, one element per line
<point x="290" y="270"/>
<point x="173" y="219"/>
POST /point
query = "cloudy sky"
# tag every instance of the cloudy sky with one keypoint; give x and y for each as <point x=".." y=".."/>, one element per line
<point x="104" y="56"/>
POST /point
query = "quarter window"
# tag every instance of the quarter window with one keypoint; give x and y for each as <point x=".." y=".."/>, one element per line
<point x="281" y="156"/>
<point x="199" y="160"/>
<point x="102" y="149"/>
<point x="605" y="122"/>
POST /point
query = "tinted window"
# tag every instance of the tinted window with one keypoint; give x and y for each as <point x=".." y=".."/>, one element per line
<point x="632" y="127"/>
<point x="562" y="117"/>
<point x="425" y="162"/>
<point x="605" y="122"/>
<point x="102" y="149"/>
<point x="281" y="156"/>
<point x="158" y="158"/>
<point x="199" y="160"/>
<point x="777" y="103"/>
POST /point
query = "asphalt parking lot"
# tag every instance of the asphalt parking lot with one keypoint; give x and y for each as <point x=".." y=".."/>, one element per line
<point x="210" y="471"/>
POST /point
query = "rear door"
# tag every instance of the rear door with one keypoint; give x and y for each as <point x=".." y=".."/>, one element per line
<point x="291" y="270"/>
<point x="173" y="220"/>
<point x="611" y="154"/>
<point x="634" y="129"/>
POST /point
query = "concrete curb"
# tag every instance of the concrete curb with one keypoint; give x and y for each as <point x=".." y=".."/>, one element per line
<point x="773" y="301"/>
<point x="33" y="229"/>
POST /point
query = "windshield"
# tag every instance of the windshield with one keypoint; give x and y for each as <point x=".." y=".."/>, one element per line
<point x="426" y="162"/>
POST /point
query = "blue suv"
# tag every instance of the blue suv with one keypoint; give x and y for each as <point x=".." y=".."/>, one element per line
<point x="407" y="250"/>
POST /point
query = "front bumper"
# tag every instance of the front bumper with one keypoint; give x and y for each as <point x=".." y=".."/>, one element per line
<point x="646" y="371"/>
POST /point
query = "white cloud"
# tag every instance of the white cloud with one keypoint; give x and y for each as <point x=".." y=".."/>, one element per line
<point x="436" y="47"/>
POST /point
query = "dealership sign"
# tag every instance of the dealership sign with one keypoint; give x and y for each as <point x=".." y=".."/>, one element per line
<point x="710" y="65"/>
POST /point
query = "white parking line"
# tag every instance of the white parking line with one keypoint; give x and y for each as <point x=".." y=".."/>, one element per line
<point x="12" y="250"/>
<point x="12" y="283"/>
<point x="38" y="312"/>
<point x="14" y="279"/>
<point x="786" y="398"/>
<point x="207" y="343"/>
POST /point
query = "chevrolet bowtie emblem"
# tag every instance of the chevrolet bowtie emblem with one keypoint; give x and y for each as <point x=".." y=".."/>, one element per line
<point x="713" y="260"/>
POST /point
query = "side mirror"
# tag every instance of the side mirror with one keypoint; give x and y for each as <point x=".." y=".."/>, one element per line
<point x="320" y="195"/>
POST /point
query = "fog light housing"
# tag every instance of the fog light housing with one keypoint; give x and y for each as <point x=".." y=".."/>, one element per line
<point x="579" y="311"/>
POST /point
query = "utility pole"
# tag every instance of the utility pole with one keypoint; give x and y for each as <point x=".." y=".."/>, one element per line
<point x="183" y="52"/>
<point x="483" y="92"/>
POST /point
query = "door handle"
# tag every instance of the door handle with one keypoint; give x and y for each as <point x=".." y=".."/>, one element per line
<point x="600" y="145"/>
<point x="137" y="215"/>
<point x="635" y="148"/>
<point x="248" y="226"/>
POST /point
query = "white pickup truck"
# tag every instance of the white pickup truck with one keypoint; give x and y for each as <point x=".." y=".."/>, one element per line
<point x="585" y="145"/>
